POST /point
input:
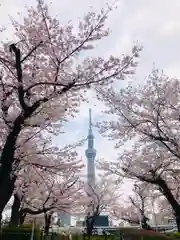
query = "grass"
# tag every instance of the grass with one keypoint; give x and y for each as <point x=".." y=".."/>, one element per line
<point x="129" y="234"/>
<point x="138" y="234"/>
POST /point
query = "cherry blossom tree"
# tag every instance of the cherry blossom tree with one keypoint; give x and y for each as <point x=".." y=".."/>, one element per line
<point x="41" y="190"/>
<point x="43" y="80"/>
<point x="126" y="212"/>
<point x="136" y="210"/>
<point x="147" y="117"/>
<point x="164" y="208"/>
<point x="98" y="198"/>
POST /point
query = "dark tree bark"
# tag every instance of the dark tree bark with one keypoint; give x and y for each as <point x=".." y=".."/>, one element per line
<point x="24" y="211"/>
<point x="7" y="154"/>
<point x="47" y="218"/>
<point x="89" y="225"/>
<point x="145" y="225"/>
<point x="36" y="212"/>
<point x="166" y="191"/>
<point x="0" y="220"/>
<point x="163" y="187"/>
<point x="19" y="214"/>
<point x="90" y="221"/>
<point x="7" y="177"/>
<point x="22" y="217"/>
<point x="139" y="191"/>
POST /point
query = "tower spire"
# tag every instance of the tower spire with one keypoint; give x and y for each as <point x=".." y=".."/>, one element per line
<point x="90" y="121"/>
<point x="90" y="153"/>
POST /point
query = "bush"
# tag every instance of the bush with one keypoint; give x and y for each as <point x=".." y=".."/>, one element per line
<point x="175" y="235"/>
<point x="137" y="234"/>
<point x="19" y="233"/>
<point x="57" y="236"/>
<point x="94" y="237"/>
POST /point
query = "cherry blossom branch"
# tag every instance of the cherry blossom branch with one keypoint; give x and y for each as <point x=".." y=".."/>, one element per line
<point x="32" y="51"/>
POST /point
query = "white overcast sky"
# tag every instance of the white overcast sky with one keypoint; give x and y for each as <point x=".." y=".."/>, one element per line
<point x="154" y="23"/>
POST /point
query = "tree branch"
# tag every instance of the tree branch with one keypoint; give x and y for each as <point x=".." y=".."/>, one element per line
<point x="18" y="67"/>
<point x="31" y="51"/>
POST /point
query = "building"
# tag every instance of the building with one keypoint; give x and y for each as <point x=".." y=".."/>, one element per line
<point x="161" y="219"/>
<point x="101" y="221"/>
<point x="64" y="219"/>
<point x="79" y="223"/>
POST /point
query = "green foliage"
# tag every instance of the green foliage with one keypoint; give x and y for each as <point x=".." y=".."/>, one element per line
<point x="77" y="237"/>
<point x="129" y="233"/>
<point x="24" y="233"/>
<point x="55" y="236"/>
<point x="175" y="235"/>
<point x="137" y="234"/>
<point x="101" y="237"/>
<point x="94" y="237"/>
<point x="19" y="233"/>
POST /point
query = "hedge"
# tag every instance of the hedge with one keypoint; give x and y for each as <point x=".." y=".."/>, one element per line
<point x="24" y="233"/>
<point x="175" y="235"/>
<point x="138" y="234"/>
<point x="19" y="233"/>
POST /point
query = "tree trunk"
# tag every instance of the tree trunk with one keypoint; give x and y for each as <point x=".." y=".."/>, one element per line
<point x="0" y="220"/>
<point x="47" y="218"/>
<point x="145" y="225"/>
<point x="178" y="222"/>
<point x="89" y="229"/>
<point x="22" y="217"/>
<point x="15" y="213"/>
<point x="90" y="225"/>
<point x="7" y="177"/>
<point x="171" y="199"/>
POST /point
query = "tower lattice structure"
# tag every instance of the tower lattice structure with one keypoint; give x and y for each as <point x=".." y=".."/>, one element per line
<point x="90" y="155"/>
